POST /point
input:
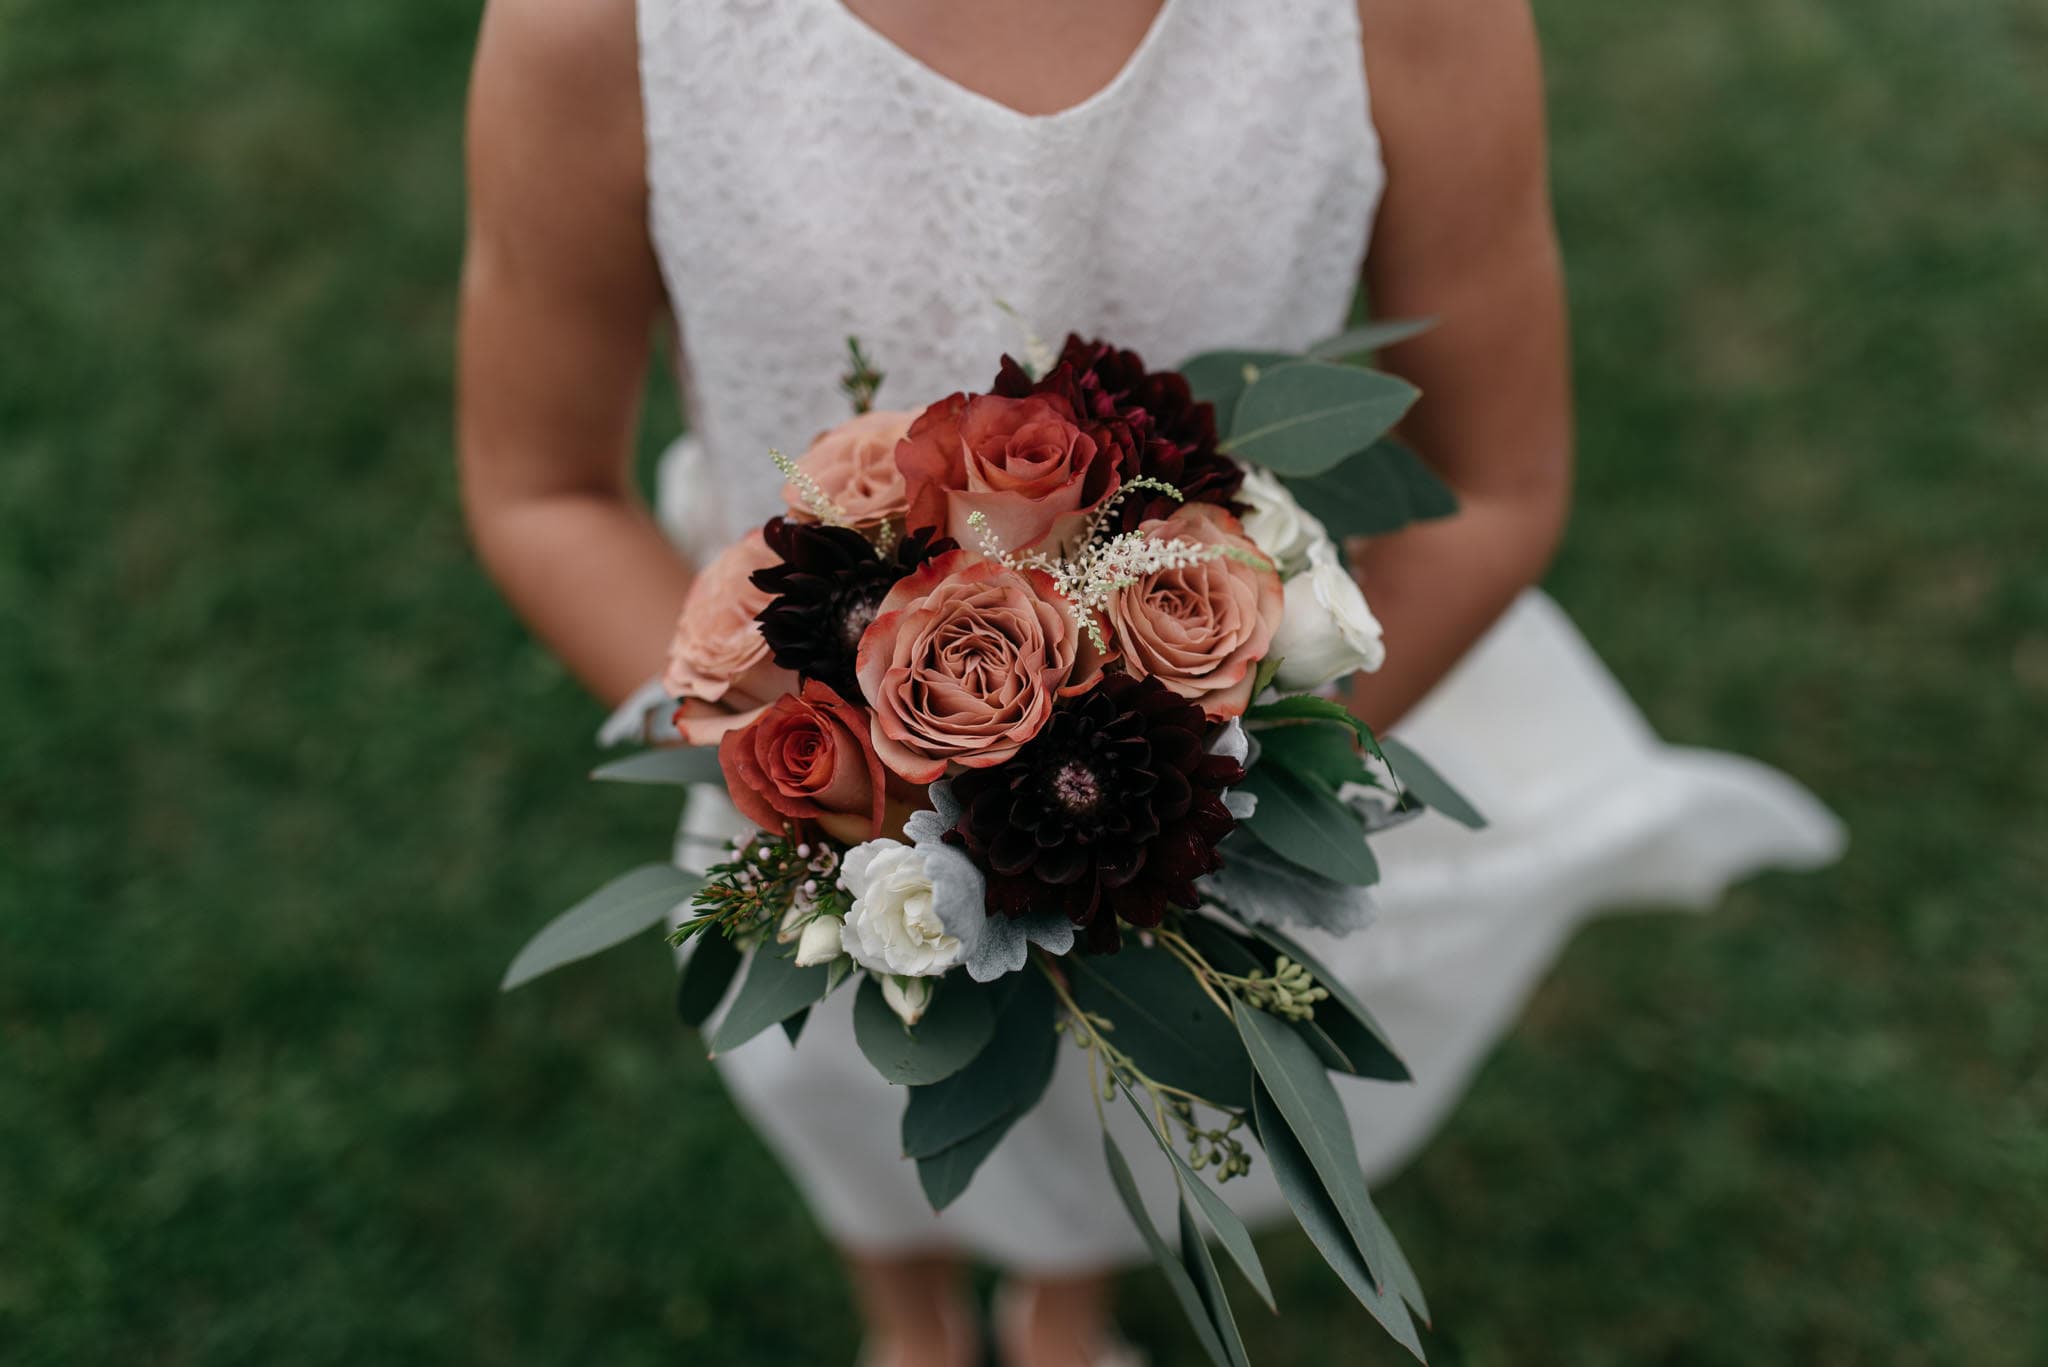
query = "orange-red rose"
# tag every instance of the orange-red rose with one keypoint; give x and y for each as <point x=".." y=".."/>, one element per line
<point x="1023" y="463"/>
<point x="964" y="662"/>
<point x="854" y="465"/>
<point x="719" y="665"/>
<point x="1200" y="629"/>
<point x="807" y="757"/>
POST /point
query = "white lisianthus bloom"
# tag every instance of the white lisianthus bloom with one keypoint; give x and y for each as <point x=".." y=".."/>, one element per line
<point x="1278" y="525"/>
<point x="894" y="925"/>
<point x="820" y="942"/>
<point x="907" y="997"/>
<point x="1327" y="630"/>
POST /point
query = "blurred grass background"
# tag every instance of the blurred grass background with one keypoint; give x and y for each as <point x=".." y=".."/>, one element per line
<point x="282" y="785"/>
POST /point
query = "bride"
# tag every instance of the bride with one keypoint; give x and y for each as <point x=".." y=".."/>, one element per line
<point x="765" y="177"/>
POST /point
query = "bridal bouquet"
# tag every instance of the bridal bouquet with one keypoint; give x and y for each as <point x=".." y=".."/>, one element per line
<point x="1021" y="696"/>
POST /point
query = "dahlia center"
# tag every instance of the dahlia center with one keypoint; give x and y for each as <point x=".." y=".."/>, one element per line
<point x="855" y="619"/>
<point x="1076" y="787"/>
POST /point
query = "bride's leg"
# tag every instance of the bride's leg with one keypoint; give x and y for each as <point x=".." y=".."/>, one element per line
<point x="1058" y="1322"/>
<point x="916" y="1310"/>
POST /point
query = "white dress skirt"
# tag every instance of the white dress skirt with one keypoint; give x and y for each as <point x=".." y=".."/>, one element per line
<point x="808" y="180"/>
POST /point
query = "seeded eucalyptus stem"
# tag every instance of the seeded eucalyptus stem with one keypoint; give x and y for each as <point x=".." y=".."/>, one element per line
<point x="1110" y="1068"/>
<point x="1290" y="991"/>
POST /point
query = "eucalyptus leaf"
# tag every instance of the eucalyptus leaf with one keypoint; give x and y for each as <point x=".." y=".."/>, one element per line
<point x="946" y="1174"/>
<point x="1305" y="707"/>
<point x="1218" y="378"/>
<point x="1378" y="491"/>
<point x="1319" y="1219"/>
<point x="773" y="990"/>
<point x="1230" y="1229"/>
<point x="1296" y="1081"/>
<point x="1176" y="1273"/>
<point x="1263" y="888"/>
<point x="1201" y="1267"/>
<point x="1323" y="751"/>
<point x="1162" y="1018"/>
<point x="1005" y="1079"/>
<point x="1344" y="1041"/>
<point x="1413" y="773"/>
<point x="706" y="973"/>
<point x="793" y="1026"/>
<point x="1381" y="332"/>
<point x="673" y="764"/>
<point x="956" y="1027"/>
<point x="1304" y="418"/>
<point x="1304" y="823"/>
<point x="616" y="912"/>
<point x="1392" y="1069"/>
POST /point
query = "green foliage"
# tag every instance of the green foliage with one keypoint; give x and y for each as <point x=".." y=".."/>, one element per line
<point x="1379" y="490"/>
<point x="1304" y="417"/>
<point x="1184" y="1289"/>
<point x="706" y="974"/>
<point x="773" y="990"/>
<point x="1216" y="1212"/>
<point x="626" y="906"/>
<point x="1306" y="1105"/>
<point x="285" y="785"/>
<point x="1427" y="786"/>
<point x="669" y="764"/>
<point x="1160" y="1016"/>
<point x="1003" y="1081"/>
<point x="1301" y="820"/>
<point x="1366" y="338"/>
<point x="954" y="1029"/>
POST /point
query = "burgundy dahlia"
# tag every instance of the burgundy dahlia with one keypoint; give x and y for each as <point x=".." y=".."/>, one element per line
<point x="825" y="592"/>
<point x="1150" y="418"/>
<point x="1109" y="814"/>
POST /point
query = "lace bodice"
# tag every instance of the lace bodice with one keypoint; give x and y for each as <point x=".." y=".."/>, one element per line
<point x="809" y="180"/>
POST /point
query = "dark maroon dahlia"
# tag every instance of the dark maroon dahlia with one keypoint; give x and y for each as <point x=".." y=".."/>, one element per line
<point x="1149" y="417"/>
<point x="826" y="591"/>
<point x="1108" y="815"/>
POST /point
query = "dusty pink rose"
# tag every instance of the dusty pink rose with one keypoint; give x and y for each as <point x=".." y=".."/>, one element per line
<point x="1023" y="463"/>
<point x="719" y="667"/>
<point x="1200" y="629"/>
<point x="807" y="757"/>
<point x="854" y="465"/>
<point x="963" y="663"/>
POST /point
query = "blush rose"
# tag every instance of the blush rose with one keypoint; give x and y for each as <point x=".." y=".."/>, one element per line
<point x="854" y="465"/>
<point x="1201" y="629"/>
<point x="964" y="662"/>
<point x="1024" y="464"/>
<point x="720" y="670"/>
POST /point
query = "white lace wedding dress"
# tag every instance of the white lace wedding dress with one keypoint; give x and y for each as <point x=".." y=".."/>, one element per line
<point x="810" y="180"/>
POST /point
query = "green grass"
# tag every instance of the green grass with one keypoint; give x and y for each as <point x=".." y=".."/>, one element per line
<point x="282" y="785"/>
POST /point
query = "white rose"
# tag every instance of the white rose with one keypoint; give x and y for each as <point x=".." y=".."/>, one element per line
<point x="1327" y="630"/>
<point x="907" y="997"/>
<point x="1278" y="525"/>
<point x="894" y="924"/>
<point x="820" y="942"/>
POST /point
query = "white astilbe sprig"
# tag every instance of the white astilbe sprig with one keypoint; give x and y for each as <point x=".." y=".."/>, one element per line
<point x="816" y="499"/>
<point x="1105" y="566"/>
<point x="882" y="537"/>
<point x="1038" y="357"/>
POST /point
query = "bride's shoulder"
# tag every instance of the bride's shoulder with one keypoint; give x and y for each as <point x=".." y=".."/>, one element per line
<point x="1410" y="42"/>
<point x="1447" y="74"/>
<point x="571" y="63"/>
<point x="556" y="82"/>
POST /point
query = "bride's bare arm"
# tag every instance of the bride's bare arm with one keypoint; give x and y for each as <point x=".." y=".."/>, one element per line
<point x="1466" y="236"/>
<point x="560" y="294"/>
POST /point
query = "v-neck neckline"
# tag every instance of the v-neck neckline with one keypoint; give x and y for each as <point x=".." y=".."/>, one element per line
<point x="931" y="75"/>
